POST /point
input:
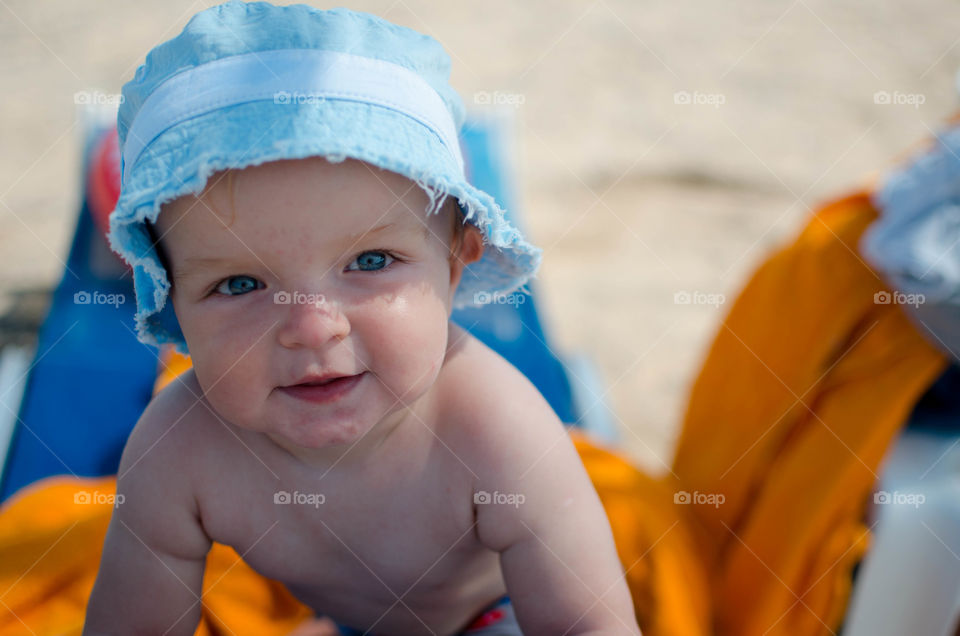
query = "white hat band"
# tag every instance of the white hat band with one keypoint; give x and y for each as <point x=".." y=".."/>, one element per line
<point x="288" y="76"/>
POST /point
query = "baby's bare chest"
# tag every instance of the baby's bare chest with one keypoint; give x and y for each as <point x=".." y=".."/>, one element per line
<point x="341" y="540"/>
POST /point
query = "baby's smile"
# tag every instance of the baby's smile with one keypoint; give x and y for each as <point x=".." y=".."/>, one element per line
<point x="326" y="391"/>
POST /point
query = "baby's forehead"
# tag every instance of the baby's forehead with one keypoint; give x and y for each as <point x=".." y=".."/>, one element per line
<point x="318" y="173"/>
<point x="229" y="227"/>
<point x="337" y="192"/>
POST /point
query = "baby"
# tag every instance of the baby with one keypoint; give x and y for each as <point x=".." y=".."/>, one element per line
<point x="337" y="428"/>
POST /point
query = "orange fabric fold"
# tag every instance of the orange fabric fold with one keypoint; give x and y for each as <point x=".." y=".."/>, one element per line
<point x="804" y="388"/>
<point x="51" y="539"/>
<point x="655" y="541"/>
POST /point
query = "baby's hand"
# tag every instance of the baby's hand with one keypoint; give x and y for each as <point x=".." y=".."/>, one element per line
<point x="316" y="627"/>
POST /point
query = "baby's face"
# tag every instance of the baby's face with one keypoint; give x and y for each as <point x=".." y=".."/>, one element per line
<point x="306" y="267"/>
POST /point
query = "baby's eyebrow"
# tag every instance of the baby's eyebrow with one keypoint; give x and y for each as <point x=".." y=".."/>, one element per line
<point x="355" y="238"/>
<point x="192" y="264"/>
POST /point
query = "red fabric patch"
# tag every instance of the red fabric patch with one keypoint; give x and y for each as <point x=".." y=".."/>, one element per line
<point x="103" y="179"/>
<point x="487" y="618"/>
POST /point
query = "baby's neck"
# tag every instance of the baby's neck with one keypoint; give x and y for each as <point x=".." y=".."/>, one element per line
<point x="355" y="454"/>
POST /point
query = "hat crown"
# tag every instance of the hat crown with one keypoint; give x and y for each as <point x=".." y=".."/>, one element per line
<point x="236" y="28"/>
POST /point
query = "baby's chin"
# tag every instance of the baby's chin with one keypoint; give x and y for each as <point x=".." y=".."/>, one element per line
<point x="319" y="445"/>
<point x="323" y="434"/>
<point x="318" y="430"/>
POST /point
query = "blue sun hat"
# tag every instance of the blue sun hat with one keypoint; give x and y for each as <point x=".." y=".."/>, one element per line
<point x="248" y="83"/>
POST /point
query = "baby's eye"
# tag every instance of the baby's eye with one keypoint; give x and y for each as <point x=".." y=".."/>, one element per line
<point x="372" y="261"/>
<point x="237" y="285"/>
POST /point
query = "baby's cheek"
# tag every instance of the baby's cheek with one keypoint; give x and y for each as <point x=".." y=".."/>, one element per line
<point x="229" y="385"/>
<point x="409" y="348"/>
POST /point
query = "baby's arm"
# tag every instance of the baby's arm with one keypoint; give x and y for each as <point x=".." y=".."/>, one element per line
<point x="151" y="571"/>
<point x="556" y="548"/>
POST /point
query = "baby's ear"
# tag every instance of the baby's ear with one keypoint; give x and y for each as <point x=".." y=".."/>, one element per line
<point x="471" y="246"/>
<point x="469" y="250"/>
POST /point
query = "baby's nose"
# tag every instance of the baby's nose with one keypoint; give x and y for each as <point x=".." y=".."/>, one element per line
<point x="311" y="320"/>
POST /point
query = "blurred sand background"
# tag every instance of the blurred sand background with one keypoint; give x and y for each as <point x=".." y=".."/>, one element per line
<point x="634" y="195"/>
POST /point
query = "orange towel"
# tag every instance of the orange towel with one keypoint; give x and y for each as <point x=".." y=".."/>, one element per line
<point x="51" y="538"/>
<point x="806" y="385"/>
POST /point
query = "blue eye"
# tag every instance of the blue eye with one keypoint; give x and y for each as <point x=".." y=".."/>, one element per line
<point x="372" y="261"/>
<point x="237" y="285"/>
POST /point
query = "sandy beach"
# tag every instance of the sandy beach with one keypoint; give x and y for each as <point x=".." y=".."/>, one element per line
<point x="657" y="150"/>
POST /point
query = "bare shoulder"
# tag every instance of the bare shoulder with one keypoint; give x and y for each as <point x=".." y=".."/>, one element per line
<point x="157" y="473"/>
<point x="519" y="451"/>
<point x="171" y="425"/>
<point x="498" y="417"/>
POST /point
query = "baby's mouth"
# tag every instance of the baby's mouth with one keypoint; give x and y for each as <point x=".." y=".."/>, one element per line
<point x="323" y="389"/>
<point x="320" y="380"/>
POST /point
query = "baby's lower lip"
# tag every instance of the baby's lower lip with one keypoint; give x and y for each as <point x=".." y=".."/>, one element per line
<point x="323" y="393"/>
